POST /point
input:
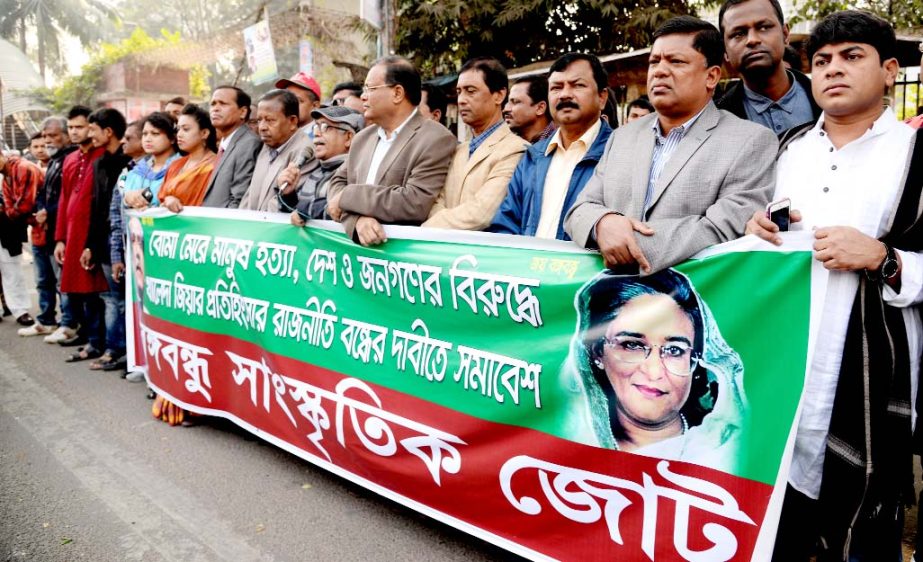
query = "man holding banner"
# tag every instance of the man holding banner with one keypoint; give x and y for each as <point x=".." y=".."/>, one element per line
<point x="394" y="171"/>
<point x="856" y="178"/>
<point x="675" y="182"/>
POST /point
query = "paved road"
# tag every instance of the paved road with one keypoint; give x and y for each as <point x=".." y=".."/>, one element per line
<point x="87" y="474"/>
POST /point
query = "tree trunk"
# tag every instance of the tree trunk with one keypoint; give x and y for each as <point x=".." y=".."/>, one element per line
<point x="22" y="33"/>
<point x="41" y="51"/>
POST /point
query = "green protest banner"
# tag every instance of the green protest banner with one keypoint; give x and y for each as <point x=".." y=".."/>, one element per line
<point x="507" y="386"/>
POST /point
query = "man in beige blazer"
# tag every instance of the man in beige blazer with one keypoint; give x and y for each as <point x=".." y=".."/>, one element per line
<point x="394" y="171"/>
<point x="482" y="167"/>
<point x="277" y="114"/>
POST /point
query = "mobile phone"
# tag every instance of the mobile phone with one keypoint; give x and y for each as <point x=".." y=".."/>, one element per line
<point x="779" y="213"/>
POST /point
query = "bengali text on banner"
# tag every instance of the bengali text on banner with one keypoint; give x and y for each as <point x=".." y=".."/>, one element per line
<point x="506" y="386"/>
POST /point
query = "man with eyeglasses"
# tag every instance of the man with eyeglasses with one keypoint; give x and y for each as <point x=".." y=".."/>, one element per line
<point x="334" y="129"/>
<point x="394" y="171"/>
<point x="348" y="94"/>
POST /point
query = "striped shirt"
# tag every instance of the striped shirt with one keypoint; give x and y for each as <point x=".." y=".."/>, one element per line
<point x="664" y="147"/>
<point x="479" y="140"/>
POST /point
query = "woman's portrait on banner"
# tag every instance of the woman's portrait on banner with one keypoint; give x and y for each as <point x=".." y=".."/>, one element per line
<point x="658" y="378"/>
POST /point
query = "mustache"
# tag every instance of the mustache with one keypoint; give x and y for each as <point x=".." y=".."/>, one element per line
<point x="565" y="104"/>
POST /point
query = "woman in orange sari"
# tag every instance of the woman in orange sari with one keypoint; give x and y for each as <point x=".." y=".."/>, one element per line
<point x="185" y="184"/>
<point x="187" y="179"/>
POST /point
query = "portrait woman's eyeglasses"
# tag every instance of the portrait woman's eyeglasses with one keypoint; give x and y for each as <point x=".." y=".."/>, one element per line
<point x="678" y="358"/>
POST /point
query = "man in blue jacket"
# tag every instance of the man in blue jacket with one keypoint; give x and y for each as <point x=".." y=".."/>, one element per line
<point x="552" y="173"/>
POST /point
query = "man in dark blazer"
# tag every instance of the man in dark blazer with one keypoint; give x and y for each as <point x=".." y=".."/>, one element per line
<point x="237" y="148"/>
<point x="755" y="36"/>
<point x="672" y="183"/>
<point x="394" y="171"/>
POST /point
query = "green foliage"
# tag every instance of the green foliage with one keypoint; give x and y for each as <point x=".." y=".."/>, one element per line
<point x="440" y="34"/>
<point x="82" y="88"/>
<point x="198" y="81"/>
<point x="902" y="14"/>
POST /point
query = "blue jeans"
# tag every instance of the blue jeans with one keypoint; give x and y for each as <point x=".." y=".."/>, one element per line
<point x="114" y="299"/>
<point x="48" y="284"/>
<point x="89" y="311"/>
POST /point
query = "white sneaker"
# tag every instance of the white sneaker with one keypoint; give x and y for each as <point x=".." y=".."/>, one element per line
<point x="61" y="334"/>
<point x="36" y="330"/>
<point x="135" y="376"/>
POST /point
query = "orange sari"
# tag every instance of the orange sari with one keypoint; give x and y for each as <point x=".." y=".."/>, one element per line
<point x="187" y="185"/>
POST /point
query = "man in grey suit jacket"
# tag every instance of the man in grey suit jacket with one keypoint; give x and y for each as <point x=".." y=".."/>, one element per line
<point x="229" y="110"/>
<point x="277" y="113"/>
<point x="673" y="183"/>
<point x="394" y="171"/>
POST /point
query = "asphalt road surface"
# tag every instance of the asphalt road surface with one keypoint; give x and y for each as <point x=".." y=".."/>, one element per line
<point x="86" y="473"/>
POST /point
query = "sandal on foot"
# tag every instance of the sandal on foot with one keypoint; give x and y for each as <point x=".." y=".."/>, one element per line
<point x="84" y="354"/>
<point x="100" y="364"/>
<point x="116" y="364"/>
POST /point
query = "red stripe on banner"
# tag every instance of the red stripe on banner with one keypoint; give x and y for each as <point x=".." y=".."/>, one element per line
<point x="547" y="495"/>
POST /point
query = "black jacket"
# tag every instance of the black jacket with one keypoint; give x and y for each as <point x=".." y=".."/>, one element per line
<point x="106" y="172"/>
<point x="50" y="192"/>
<point x="733" y="98"/>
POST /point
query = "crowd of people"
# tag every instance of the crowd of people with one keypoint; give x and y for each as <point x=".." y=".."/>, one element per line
<point x="547" y="159"/>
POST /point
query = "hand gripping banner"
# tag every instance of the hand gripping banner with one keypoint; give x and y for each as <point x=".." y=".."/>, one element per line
<point x="506" y="386"/>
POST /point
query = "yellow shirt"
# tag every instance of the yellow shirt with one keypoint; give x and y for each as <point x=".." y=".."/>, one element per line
<point x="558" y="178"/>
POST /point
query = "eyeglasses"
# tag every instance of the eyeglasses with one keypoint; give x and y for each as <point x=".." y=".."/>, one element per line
<point x="368" y="89"/>
<point x="678" y="358"/>
<point x="321" y="128"/>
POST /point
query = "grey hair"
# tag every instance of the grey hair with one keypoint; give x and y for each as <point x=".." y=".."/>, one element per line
<point x="61" y="122"/>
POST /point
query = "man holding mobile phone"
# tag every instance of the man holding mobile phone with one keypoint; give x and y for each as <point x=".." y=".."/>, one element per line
<point x="846" y="175"/>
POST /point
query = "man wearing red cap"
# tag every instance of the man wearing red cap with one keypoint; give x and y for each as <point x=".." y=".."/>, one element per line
<point x="307" y="90"/>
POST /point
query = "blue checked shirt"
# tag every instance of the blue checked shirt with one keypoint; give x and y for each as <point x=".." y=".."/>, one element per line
<point x="792" y="109"/>
<point x="479" y="140"/>
<point x="664" y="147"/>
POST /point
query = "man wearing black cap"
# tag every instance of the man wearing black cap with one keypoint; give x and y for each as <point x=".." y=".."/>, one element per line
<point x="334" y="129"/>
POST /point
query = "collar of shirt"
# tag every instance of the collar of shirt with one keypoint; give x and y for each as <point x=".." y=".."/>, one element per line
<point x="479" y="140"/>
<point x="384" y="138"/>
<point x="223" y="145"/>
<point x="680" y="131"/>
<point x="885" y="123"/>
<point x="586" y="138"/>
<point x="275" y="152"/>
<point x="761" y="104"/>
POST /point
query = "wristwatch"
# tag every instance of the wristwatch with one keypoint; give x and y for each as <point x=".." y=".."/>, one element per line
<point x="888" y="268"/>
